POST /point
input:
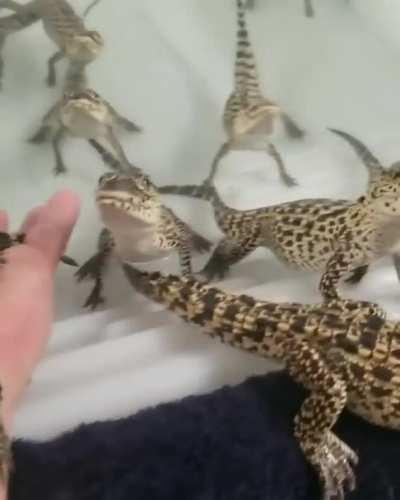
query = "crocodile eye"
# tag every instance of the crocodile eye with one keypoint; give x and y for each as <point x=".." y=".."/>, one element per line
<point x="93" y="95"/>
<point x="67" y="96"/>
<point x="95" y="36"/>
<point x="107" y="178"/>
<point x="143" y="183"/>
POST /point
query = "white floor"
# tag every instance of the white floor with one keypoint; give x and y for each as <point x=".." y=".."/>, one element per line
<point x="168" y="66"/>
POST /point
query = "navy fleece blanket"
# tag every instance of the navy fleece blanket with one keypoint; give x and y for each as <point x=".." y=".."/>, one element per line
<point x="233" y="444"/>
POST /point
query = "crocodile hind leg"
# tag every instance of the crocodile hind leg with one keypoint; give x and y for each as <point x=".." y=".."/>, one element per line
<point x="44" y="133"/>
<point x="284" y="174"/>
<point x="308" y="8"/>
<point x="227" y="253"/>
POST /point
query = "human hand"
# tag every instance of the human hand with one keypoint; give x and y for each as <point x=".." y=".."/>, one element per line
<point x="26" y="294"/>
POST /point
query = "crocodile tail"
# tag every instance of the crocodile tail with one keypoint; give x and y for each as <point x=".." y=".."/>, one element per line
<point x="373" y="165"/>
<point x="198" y="191"/>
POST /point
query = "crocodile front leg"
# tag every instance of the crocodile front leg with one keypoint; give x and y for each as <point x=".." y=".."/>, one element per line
<point x="122" y="121"/>
<point x="94" y="269"/>
<point x="227" y="253"/>
<point x="6" y="241"/>
<point x="332" y="459"/>
<point x="287" y="179"/>
<point x="345" y="260"/>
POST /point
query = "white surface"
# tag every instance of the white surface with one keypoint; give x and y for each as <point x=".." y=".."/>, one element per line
<point x="168" y="66"/>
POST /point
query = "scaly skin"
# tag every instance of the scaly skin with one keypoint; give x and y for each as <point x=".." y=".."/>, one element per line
<point x="139" y="228"/>
<point x="345" y="353"/>
<point x="249" y="117"/>
<point x="337" y="237"/>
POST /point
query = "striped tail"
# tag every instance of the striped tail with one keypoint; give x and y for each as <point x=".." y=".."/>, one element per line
<point x="246" y="75"/>
<point x="75" y="77"/>
<point x="176" y="294"/>
<point x="203" y="191"/>
<point x="368" y="159"/>
<point x="198" y="191"/>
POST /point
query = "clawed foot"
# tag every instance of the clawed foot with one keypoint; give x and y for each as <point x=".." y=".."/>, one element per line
<point x="200" y="244"/>
<point x="41" y="136"/>
<point x="334" y="462"/>
<point x="308" y="8"/>
<point x="130" y="126"/>
<point x="214" y="269"/>
<point x="289" y="181"/>
<point x="51" y="80"/>
<point x="89" y="270"/>
<point x="95" y="298"/>
<point x="6" y="240"/>
<point x="59" y="169"/>
<point x="357" y="275"/>
<point x="69" y="261"/>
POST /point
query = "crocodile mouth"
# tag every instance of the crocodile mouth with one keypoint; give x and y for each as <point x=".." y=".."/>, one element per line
<point x="116" y="201"/>
<point x="130" y="206"/>
<point x="117" y="217"/>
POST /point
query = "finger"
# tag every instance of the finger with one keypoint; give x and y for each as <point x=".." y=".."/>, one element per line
<point x="3" y="221"/>
<point x="31" y="218"/>
<point x="52" y="229"/>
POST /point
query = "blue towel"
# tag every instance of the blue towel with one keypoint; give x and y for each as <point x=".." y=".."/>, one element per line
<point x="233" y="444"/>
